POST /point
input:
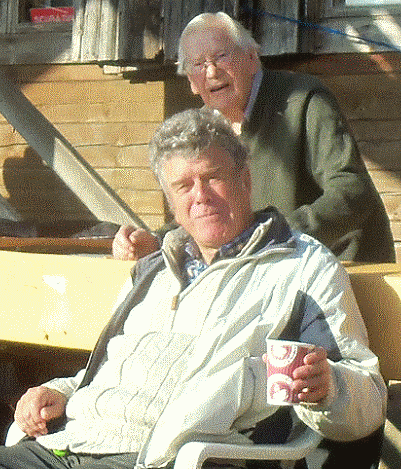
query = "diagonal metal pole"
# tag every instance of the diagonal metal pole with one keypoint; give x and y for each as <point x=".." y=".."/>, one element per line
<point x="62" y="157"/>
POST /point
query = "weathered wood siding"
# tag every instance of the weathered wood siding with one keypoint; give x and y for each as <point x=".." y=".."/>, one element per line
<point x="343" y="29"/>
<point x="109" y="121"/>
<point x="368" y="88"/>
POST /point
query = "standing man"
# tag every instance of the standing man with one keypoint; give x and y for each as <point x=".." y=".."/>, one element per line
<point x="181" y="359"/>
<point x="303" y="159"/>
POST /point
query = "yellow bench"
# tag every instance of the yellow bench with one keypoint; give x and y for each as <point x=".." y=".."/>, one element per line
<point x="377" y="289"/>
<point x="65" y="301"/>
<point x="58" y="300"/>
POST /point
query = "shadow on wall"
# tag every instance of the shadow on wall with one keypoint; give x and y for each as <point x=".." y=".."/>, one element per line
<point x="41" y="200"/>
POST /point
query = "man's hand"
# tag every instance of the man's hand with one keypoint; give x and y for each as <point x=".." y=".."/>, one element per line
<point x="312" y="380"/>
<point x="131" y="244"/>
<point x="36" y="407"/>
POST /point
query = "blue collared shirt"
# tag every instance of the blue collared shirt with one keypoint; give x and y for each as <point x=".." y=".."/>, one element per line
<point x="257" y="81"/>
<point x="193" y="263"/>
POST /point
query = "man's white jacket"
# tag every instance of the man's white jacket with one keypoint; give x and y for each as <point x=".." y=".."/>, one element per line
<point x="187" y="365"/>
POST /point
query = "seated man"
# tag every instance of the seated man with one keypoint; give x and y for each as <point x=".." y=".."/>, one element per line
<point x="181" y="358"/>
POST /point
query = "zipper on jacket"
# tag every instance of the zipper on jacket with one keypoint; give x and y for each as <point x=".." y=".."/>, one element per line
<point x="174" y="303"/>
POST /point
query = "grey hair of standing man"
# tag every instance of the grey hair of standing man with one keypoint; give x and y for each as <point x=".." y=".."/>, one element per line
<point x="238" y="34"/>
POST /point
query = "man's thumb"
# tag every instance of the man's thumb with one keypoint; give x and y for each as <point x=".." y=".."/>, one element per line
<point x="50" y="412"/>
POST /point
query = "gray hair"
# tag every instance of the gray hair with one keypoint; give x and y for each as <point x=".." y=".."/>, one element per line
<point x="239" y="35"/>
<point x="190" y="132"/>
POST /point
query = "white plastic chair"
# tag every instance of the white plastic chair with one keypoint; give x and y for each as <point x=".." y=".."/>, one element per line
<point x="193" y="454"/>
<point x="14" y="435"/>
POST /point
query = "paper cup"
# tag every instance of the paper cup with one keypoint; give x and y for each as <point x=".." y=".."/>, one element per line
<point x="282" y="358"/>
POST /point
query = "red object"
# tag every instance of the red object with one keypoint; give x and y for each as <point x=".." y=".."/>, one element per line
<point x="52" y="15"/>
<point x="282" y="358"/>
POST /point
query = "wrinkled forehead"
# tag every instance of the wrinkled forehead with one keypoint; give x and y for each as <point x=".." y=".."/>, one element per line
<point x="206" y="41"/>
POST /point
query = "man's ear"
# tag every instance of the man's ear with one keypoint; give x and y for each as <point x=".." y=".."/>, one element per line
<point x="246" y="178"/>
<point x="254" y="60"/>
<point x="194" y="88"/>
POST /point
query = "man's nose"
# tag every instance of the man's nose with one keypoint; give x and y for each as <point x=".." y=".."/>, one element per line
<point x="211" y="69"/>
<point x="202" y="191"/>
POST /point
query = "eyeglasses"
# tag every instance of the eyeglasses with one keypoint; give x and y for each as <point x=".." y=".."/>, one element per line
<point x="219" y="60"/>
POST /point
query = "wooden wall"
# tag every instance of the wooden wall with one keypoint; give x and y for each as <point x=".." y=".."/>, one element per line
<point x="109" y="121"/>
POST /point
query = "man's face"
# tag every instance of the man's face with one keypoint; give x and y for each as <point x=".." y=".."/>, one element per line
<point x="224" y="82"/>
<point x="210" y="197"/>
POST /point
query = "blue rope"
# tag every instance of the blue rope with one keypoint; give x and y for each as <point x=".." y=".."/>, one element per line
<point x="310" y="25"/>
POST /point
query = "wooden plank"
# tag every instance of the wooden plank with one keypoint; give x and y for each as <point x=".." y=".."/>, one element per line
<point x="123" y="111"/>
<point x="386" y="181"/>
<point x="37" y="47"/>
<point x="144" y="202"/>
<point x="10" y="136"/>
<point x="63" y="301"/>
<point x="276" y="35"/>
<point x="94" y="92"/>
<point x="90" y="30"/>
<point x="99" y="245"/>
<point x="381" y="131"/>
<point x="108" y="21"/>
<point x="392" y="203"/>
<point x="379" y="302"/>
<point x="119" y="134"/>
<point x="398" y="252"/>
<point x="60" y="155"/>
<point x="3" y="16"/>
<point x="382" y="154"/>
<point x="155" y="222"/>
<point x="380" y="30"/>
<point x="37" y="73"/>
<point x="359" y="97"/>
<point x="109" y="156"/>
<point x="130" y="178"/>
<point x="141" y="29"/>
<point x="98" y="156"/>
<point x="330" y="65"/>
<point x="396" y="230"/>
<point x="133" y="155"/>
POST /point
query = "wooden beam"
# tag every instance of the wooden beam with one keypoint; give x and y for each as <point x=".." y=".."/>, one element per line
<point x="99" y="245"/>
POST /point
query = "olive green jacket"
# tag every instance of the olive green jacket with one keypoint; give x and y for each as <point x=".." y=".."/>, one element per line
<point x="305" y="162"/>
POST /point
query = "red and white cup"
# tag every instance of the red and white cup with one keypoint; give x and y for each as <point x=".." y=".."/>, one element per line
<point x="282" y="357"/>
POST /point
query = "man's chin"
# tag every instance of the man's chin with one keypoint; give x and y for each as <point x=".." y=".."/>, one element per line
<point x="211" y="238"/>
<point x="220" y="100"/>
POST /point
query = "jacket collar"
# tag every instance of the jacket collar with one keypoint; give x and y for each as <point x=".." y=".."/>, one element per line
<point x="271" y="232"/>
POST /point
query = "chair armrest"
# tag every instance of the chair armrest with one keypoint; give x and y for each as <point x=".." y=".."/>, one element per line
<point x="193" y="454"/>
<point x="14" y="435"/>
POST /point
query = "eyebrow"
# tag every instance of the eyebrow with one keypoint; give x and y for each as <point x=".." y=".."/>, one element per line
<point x="203" y="57"/>
<point x="210" y="172"/>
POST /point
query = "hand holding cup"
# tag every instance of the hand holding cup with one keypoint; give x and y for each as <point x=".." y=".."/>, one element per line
<point x="296" y="372"/>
